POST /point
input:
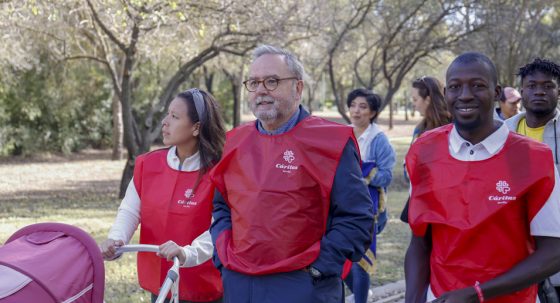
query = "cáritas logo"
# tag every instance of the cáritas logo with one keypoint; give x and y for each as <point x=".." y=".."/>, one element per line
<point x="189" y="195"/>
<point x="289" y="156"/>
<point x="504" y="188"/>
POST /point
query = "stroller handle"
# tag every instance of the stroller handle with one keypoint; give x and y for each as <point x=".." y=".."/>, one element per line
<point x="138" y="248"/>
<point x="143" y="248"/>
<point x="171" y="281"/>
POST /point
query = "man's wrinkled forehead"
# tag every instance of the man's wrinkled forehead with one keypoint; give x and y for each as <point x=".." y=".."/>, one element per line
<point x="268" y="65"/>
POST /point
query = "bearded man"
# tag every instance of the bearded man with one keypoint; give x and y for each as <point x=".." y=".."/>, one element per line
<point x="290" y="206"/>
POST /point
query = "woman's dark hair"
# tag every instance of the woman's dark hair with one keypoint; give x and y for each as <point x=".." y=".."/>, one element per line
<point x="373" y="100"/>
<point x="436" y="113"/>
<point x="211" y="134"/>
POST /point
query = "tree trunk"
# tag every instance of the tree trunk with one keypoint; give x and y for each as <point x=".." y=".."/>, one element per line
<point x="236" y="87"/>
<point x="389" y="101"/>
<point x="390" y="114"/>
<point x="406" y="111"/>
<point x="310" y="97"/>
<point x="117" y="128"/>
<point x="236" y="92"/>
<point x="208" y="80"/>
<point x="128" y="172"/>
<point x="338" y="100"/>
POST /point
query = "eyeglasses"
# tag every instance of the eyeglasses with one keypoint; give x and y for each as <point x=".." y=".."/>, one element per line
<point x="269" y="83"/>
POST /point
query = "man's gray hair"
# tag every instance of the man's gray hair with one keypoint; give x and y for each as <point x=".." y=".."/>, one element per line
<point x="294" y="65"/>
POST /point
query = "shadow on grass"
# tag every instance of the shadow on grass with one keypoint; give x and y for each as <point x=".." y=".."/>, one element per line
<point x="90" y="195"/>
<point x="70" y="190"/>
<point x="85" y="155"/>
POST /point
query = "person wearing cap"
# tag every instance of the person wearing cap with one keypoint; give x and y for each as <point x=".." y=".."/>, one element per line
<point x="540" y="88"/>
<point x="170" y="196"/>
<point x="484" y="203"/>
<point x="508" y="104"/>
<point x="291" y="207"/>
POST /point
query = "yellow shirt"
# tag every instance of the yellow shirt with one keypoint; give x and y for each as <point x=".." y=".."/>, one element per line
<point x="533" y="133"/>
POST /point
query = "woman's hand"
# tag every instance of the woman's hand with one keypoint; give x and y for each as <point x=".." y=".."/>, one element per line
<point x="109" y="248"/>
<point x="170" y="249"/>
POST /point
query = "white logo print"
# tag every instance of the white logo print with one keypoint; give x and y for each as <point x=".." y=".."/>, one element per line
<point x="188" y="202"/>
<point x="289" y="156"/>
<point x="189" y="193"/>
<point x="503" y="187"/>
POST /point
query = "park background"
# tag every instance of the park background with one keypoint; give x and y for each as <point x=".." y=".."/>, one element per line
<point x="84" y="85"/>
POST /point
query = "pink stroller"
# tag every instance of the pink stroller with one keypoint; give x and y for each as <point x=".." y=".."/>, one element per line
<point x="54" y="262"/>
<point x="51" y="262"/>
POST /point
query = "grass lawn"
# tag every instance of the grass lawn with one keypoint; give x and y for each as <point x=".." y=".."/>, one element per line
<point x="82" y="190"/>
<point x="79" y="191"/>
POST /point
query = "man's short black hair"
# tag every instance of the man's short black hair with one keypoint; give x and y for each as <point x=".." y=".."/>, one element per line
<point x="373" y="100"/>
<point x="473" y="57"/>
<point x="544" y="66"/>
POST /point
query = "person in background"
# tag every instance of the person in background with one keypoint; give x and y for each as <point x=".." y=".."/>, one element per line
<point x="540" y="88"/>
<point x="378" y="159"/>
<point x="508" y="104"/>
<point x="170" y="196"/>
<point x="290" y="206"/>
<point x="427" y="97"/>
<point x="482" y="230"/>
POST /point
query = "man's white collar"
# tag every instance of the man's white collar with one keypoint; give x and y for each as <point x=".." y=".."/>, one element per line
<point x="492" y="143"/>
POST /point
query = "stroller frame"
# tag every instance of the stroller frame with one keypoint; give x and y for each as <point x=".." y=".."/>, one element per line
<point x="171" y="282"/>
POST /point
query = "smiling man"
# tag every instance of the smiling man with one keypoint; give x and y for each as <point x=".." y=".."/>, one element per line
<point x="540" y="87"/>
<point x="482" y="228"/>
<point x="291" y="206"/>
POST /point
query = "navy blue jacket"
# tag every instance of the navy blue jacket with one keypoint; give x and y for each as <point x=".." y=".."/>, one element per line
<point x="349" y="228"/>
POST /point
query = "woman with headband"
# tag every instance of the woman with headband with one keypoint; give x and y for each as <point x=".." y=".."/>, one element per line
<point x="170" y="196"/>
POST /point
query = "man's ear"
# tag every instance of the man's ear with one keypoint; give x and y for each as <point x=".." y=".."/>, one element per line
<point x="299" y="90"/>
<point x="498" y="92"/>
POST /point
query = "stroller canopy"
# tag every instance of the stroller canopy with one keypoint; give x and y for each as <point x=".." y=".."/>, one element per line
<point x="51" y="262"/>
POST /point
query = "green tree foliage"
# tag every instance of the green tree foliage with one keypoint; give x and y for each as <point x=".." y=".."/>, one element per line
<point x="43" y="112"/>
<point x="515" y="32"/>
<point x="63" y="61"/>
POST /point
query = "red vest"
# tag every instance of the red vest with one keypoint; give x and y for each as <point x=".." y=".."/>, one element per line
<point x="479" y="211"/>
<point x="171" y="211"/>
<point x="278" y="189"/>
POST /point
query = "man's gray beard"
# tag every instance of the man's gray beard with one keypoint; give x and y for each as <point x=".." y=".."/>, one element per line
<point x="266" y="116"/>
<point x="269" y="115"/>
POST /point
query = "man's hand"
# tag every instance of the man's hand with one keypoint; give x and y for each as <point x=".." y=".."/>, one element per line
<point x="465" y="295"/>
<point x="170" y="249"/>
